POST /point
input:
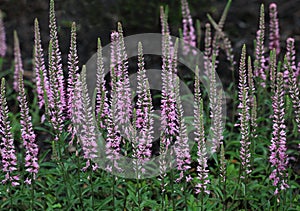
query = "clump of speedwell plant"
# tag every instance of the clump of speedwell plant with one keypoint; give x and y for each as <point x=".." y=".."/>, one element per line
<point x="50" y="146"/>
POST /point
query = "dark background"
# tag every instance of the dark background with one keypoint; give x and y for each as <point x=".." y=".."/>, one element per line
<point x="97" y="18"/>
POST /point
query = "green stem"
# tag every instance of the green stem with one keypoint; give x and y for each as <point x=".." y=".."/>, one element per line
<point x="10" y="195"/>
<point x="172" y="190"/>
<point x="245" y="200"/>
<point x="78" y="177"/>
<point x="163" y="193"/>
<point x="224" y="196"/>
<point x="185" y="196"/>
<point x="202" y="200"/>
<point x="125" y="194"/>
<point x="114" y="186"/>
<point x="92" y="187"/>
<point x="138" y="187"/>
<point x="238" y="184"/>
<point x="32" y="192"/>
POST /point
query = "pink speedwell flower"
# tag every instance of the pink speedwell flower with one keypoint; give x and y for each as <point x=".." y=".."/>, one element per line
<point x="41" y="80"/>
<point x="82" y="117"/>
<point x="18" y="62"/>
<point x="244" y="116"/>
<point x="189" y="36"/>
<point x="278" y="157"/>
<point x="8" y="153"/>
<point x="202" y="170"/>
<point x="3" y="46"/>
<point x="28" y="136"/>
<point x="102" y="106"/>
<point x="144" y="119"/>
<point x="73" y="68"/>
<point x="183" y="156"/>
<point x="259" y="63"/>
<point x="274" y="36"/>
<point x="56" y="57"/>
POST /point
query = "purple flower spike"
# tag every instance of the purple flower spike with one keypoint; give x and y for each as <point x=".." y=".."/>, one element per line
<point x="278" y="157"/>
<point x="17" y="61"/>
<point x="8" y="153"/>
<point x="202" y="171"/>
<point x="55" y="106"/>
<point x="244" y="117"/>
<point x="274" y="36"/>
<point x="3" y="46"/>
<point x="56" y="56"/>
<point x="28" y="136"/>
<point x="102" y="106"/>
<point x="144" y="112"/>
<point x="83" y="118"/>
<point x="259" y="63"/>
<point x="189" y="36"/>
<point x="291" y="59"/>
<point x="73" y="68"/>
<point x="41" y="80"/>
<point x="183" y="156"/>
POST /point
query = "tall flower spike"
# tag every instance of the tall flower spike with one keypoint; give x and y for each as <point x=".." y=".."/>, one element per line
<point x="28" y="136"/>
<point x="278" y="156"/>
<point x="144" y="113"/>
<point x="252" y="100"/>
<point x="222" y="166"/>
<point x="102" y="107"/>
<point x="294" y="93"/>
<point x="259" y="63"/>
<point x="272" y="67"/>
<point x="215" y="106"/>
<point x="244" y="117"/>
<point x="88" y="136"/>
<point x="123" y="104"/>
<point x="291" y="59"/>
<point x="274" y="37"/>
<point x="207" y="50"/>
<point x="17" y="62"/>
<point x="165" y="29"/>
<point x="41" y="80"/>
<point x="169" y="124"/>
<point x="202" y="171"/>
<point x="73" y="68"/>
<point x="182" y="150"/>
<point x="55" y="106"/>
<point x="56" y="56"/>
<point x="189" y="36"/>
<point x="3" y="46"/>
<point x="113" y="140"/>
<point x="8" y="153"/>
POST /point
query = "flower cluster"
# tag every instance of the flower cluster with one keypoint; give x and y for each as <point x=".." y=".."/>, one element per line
<point x="189" y="36"/>
<point x="278" y="157"/>
<point x="200" y="139"/>
<point x="3" y="46"/>
<point x="144" y="113"/>
<point x="8" y="152"/>
<point x="41" y="78"/>
<point x="18" y="62"/>
<point x="244" y="116"/>
<point x="28" y="135"/>
<point x="259" y="63"/>
<point x="274" y="37"/>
